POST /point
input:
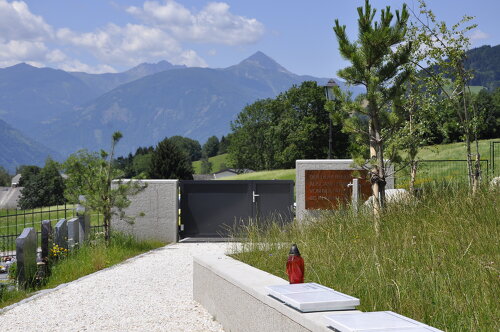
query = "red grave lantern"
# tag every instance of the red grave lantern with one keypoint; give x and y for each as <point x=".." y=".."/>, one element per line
<point x="295" y="266"/>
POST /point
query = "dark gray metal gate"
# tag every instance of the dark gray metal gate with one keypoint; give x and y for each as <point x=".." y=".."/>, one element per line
<point x="212" y="208"/>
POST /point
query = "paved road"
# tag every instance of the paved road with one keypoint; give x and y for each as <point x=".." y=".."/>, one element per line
<point x="152" y="292"/>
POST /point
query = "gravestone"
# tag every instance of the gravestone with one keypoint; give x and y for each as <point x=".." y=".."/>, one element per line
<point x="26" y="257"/>
<point x="46" y="242"/>
<point x="83" y="228"/>
<point x="61" y="234"/>
<point x="327" y="184"/>
<point x="73" y="232"/>
<point x="311" y="297"/>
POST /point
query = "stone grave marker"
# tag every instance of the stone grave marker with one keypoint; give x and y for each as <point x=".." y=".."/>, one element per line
<point x="83" y="228"/>
<point x="61" y="234"/>
<point x="26" y="256"/>
<point x="46" y="242"/>
<point x="73" y="232"/>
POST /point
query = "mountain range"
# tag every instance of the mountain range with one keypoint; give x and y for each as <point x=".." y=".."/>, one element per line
<point x="67" y="111"/>
<point x="17" y="149"/>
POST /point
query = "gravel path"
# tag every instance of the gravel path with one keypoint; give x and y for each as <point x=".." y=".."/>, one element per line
<point x="152" y="292"/>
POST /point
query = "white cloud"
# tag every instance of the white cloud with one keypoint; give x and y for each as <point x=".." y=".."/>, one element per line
<point x="26" y="37"/>
<point x="15" y="51"/>
<point x="477" y="34"/>
<point x="23" y="35"/>
<point x="130" y="45"/>
<point x="18" y="23"/>
<point x="213" y="24"/>
<point x="76" y="65"/>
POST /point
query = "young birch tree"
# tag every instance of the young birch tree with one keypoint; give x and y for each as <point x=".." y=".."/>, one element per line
<point x="376" y="63"/>
<point x="441" y="56"/>
<point x="91" y="175"/>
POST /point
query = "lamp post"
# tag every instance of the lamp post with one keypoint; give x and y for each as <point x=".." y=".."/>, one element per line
<point x="329" y="93"/>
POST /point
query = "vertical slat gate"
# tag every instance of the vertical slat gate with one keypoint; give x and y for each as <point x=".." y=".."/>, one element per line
<point x="213" y="209"/>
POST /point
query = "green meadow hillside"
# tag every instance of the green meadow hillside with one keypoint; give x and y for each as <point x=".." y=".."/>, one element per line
<point x="454" y="151"/>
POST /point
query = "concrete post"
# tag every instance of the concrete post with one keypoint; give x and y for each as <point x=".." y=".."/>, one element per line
<point x="355" y="194"/>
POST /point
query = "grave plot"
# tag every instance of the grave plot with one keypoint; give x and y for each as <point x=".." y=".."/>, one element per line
<point x="311" y="297"/>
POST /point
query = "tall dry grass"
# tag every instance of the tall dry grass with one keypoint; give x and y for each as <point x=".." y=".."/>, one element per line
<point x="435" y="260"/>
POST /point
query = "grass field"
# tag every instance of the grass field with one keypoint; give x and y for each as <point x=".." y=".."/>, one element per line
<point x="435" y="260"/>
<point x="455" y="151"/>
<point x="218" y="163"/>
<point x="12" y="222"/>
<point x="428" y="172"/>
<point x="278" y="174"/>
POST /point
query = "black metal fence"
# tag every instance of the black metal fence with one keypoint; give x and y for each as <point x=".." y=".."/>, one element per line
<point x="13" y="221"/>
<point x="495" y="158"/>
<point x="441" y="171"/>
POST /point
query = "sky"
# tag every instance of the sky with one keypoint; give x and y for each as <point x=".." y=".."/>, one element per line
<point x="98" y="36"/>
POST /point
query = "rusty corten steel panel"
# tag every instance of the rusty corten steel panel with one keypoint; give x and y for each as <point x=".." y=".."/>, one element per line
<point x="326" y="189"/>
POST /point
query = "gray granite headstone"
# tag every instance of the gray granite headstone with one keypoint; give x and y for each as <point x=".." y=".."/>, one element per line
<point x="61" y="234"/>
<point x="73" y="232"/>
<point x="46" y="242"/>
<point x="83" y="228"/>
<point x="26" y="256"/>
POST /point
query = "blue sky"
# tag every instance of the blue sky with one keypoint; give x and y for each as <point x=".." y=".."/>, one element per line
<point x="114" y="35"/>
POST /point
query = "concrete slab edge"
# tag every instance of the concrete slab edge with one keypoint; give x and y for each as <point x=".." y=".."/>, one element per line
<point x="253" y="282"/>
<point x="43" y="292"/>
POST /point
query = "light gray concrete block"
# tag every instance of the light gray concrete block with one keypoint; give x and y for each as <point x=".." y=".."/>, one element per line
<point x="332" y="164"/>
<point x="154" y="212"/>
<point x="26" y="257"/>
<point x="236" y="295"/>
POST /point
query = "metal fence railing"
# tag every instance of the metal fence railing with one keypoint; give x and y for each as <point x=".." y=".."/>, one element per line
<point x="13" y="221"/>
<point x="440" y="171"/>
<point x="495" y="158"/>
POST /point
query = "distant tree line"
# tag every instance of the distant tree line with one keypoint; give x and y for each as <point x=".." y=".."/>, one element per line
<point x="41" y="186"/>
<point x="171" y="158"/>
<point x="5" y="177"/>
<point x="273" y="133"/>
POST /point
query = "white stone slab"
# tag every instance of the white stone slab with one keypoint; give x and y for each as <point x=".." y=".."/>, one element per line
<point x="279" y="290"/>
<point x="380" y="321"/>
<point x="310" y="297"/>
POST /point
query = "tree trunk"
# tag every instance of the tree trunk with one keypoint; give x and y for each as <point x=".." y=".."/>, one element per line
<point x="413" y="175"/>
<point x="380" y="161"/>
<point x="374" y="174"/>
<point x="107" y="224"/>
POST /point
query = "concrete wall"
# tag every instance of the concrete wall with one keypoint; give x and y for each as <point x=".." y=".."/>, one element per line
<point x="332" y="164"/>
<point x="234" y="294"/>
<point x="155" y="212"/>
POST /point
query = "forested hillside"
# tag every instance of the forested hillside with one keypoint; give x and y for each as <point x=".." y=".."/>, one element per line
<point x="485" y="61"/>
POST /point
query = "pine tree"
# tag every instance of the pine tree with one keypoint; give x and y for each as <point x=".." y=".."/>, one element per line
<point x="376" y="63"/>
<point x="170" y="162"/>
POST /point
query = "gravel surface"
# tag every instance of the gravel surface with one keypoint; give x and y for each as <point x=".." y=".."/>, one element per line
<point x="152" y="292"/>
